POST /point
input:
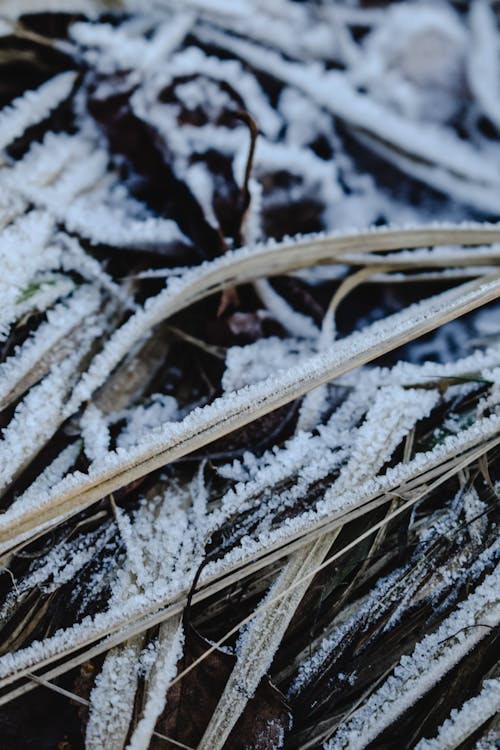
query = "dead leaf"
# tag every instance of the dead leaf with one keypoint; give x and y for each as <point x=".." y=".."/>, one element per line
<point x="192" y="700"/>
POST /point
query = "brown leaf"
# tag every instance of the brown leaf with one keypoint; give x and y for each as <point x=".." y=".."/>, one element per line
<point x="192" y="701"/>
<point x="256" y="436"/>
<point x="264" y="722"/>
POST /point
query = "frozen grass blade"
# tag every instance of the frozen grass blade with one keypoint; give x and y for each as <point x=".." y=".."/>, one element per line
<point x="432" y="658"/>
<point x="235" y="410"/>
<point x="154" y="435"/>
<point x="465" y="721"/>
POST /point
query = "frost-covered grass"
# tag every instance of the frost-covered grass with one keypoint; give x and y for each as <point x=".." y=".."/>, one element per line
<point x="250" y="373"/>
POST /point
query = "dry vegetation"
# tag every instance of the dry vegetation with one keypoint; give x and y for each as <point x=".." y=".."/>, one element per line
<point x="250" y="456"/>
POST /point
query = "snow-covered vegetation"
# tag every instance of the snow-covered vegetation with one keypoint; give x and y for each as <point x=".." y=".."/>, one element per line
<point x="249" y="374"/>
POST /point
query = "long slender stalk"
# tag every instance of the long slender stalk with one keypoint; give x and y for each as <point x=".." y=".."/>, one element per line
<point x="237" y="409"/>
<point x="129" y="624"/>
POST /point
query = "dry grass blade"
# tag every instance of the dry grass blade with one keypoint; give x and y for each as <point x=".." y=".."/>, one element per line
<point x="239" y="409"/>
<point x="441" y="650"/>
<point x="249" y="456"/>
<point x="260" y="641"/>
<point x="465" y="721"/>
<point x="115" y="632"/>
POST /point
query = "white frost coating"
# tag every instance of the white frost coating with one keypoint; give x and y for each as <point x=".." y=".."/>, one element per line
<point x="308" y="458"/>
<point x="177" y="295"/>
<point x="341" y="503"/>
<point x="35" y="419"/>
<point x="96" y="213"/>
<point x="48" y="288"/>
<point x="53" y="473"/>
<point x="109" y="721"/>
<point x="41" y="411"/>
<point x="408" y="373"/>
<point x="10" y="8"/>
<point x="466" y="720"/>
<point x="167" y="37"/>
<point x="191" y="61"/>
<point x="319" y="177"/>
<point x="171" y="642"/>
<point x="82" y="197"/>
<point x="215" y="9"/>
<point x="135" y="607"/>
<point x="393" y="589"/>
<point x="387" y="422"/>
<point x="232" y="409"/>
<point x="160" y="546"/>
<point x="62" y="564"/>
<point x="95" y="433"/>
<point x="461" y="187"/>
<point x="489" y="742"/>
<point x="305" y="121"/>
<point x="110" y="48"/>
<point x="141" y="419"/>
<point x="483" y="60"/>
<point x="74" y="258"/>
<point x="257" y="361"/>
<point x="163" y="545"/>
<point x="200" y="182"/>
<point x="393" y="413"/>
<point x="23" y="254"/>
<point x="289" y="28"/>
<point x="111" y="226"/>
<point x="33" y="106"/>
<point x="61" y="320"/>
<point x="11" y="204"/>
<point x="45" y="161"/>
<point x="294" y="322"/>
<point x="431" y="659"/>
<point x="77" y="177"/>
<point x="382" y="594"/>
<point x="333" y="91"/>
<point x="369" y="337"/>
<point x="305" y="457"/>
<point x="258" y="642"/>
<point x="474" y="510"/>
<point x="414" y="61"/>
<point x="118" y="48"/>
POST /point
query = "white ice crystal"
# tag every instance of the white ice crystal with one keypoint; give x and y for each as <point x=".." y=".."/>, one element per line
<point x="431" y="659"/>
<point x="33" y="106"/>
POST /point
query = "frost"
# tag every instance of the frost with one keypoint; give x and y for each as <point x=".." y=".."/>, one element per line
<point x="33" y="106"/>
<point x="95" y="433"/>
<point x="387" y="422"/>
<point x="483" y="62"/>
<point x="188" y="62"/>
<point x="414" y="62"/>
<point x="35" y="419"/>
<point x="464" y="721"/>
<point x="379" y="598"/>
<point x="429" y="142"/>
<point x="61" y="322"/>
<point x="53" y="472"/>
<point x="294" y="322"/>
<point x="171" y="641"/>
<point x="254" y="362"/>
<point x="142" y="419"/>
<point x="327" y="85"/>
<point x="40" y="413"/>
<point x="236" y="409"/>
<point x="114" y="689"/>
<point x="24" y="253"/>
<point x="431" y="659"/>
